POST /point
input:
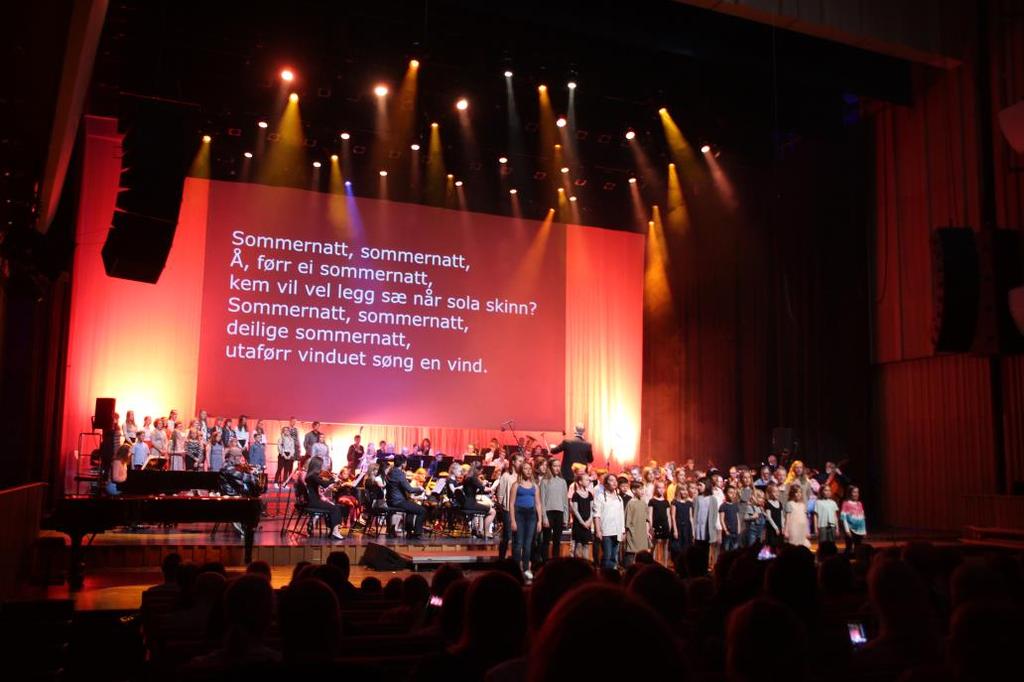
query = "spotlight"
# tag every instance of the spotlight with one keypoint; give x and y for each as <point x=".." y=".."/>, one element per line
<point x="207" y="139"/>
<point x="573" y="198"/>
<point x="247" y="155"/>
<point x="572" y="85"/>
<point x="561" y="190"/>
<point x="632" y="181"/>
<point x="671" y="165"/>
<point x="263" y="124"/>
<point x="462" y="104"/>
<point x="348" y="183"/>
<point x="383" y="173"/>
<point x="663" y="111"/>
<point x="705" y="149"/>
<point x="434" y="124"/>
<point x="564" y="169"/>
<point x="558" y="146"/>
<point x="513" y="191"/>
<point x="415" y="147"/>
<point x="414" y="63"/>
<point x="458" y="183"/>
<point x="334" y="157"/>
<point x="381" y="90"/>
<point x="561" y="122"/>
<point x="294" y="97"/>
<point x="345" y="136"/>
<point x="542" y="88"/>
<point x="503" y="160"/>
<point x="287" y="75"/>
<point x="508" y="74"/>
<point x="451" y="177"/>
<point x="630" y="134"/>
<point x="316" y="164"/>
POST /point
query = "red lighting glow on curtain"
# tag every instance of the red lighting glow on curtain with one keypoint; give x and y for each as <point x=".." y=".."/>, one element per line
<point x="139" y="343"/>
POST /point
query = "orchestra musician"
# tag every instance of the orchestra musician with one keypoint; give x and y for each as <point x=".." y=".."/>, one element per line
<point x="320" y="487"/>
<point x="472" y="487"/>
<point x="494" y="451"/>
<point x="834" y="478"/>
<point x="435" y="464"/>
<point x="399" y="490"/>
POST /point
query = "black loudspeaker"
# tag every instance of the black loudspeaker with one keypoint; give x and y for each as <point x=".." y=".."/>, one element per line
<point x="1009" y="276"/>
<point x="160" y="141"/>
<point x="381" y="558"/>
<point x="956" y="289"/>
<point x="103" y="414"/>
<point x="1011" y="122"/>
<point x="783" y="438"/>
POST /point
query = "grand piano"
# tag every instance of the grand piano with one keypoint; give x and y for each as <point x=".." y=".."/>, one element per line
<point x="151" y="482"/>
<point x="80" y="516"/>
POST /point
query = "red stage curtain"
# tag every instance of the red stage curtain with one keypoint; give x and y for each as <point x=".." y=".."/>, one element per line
<point x="605" y="320"/>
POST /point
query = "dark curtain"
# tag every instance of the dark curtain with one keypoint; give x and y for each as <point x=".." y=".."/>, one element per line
<point x="768" y="326"/>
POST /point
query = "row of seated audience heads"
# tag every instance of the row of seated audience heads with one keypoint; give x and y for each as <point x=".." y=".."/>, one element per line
<point x="930" y="612"/>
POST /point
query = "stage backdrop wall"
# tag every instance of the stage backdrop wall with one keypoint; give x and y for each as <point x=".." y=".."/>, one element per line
<point x="140" y="343"/>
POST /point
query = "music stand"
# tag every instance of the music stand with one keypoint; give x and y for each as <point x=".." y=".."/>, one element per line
<point x="471" y="459"/>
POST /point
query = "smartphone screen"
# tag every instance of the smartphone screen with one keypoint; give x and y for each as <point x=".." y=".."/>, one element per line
<point x="857" y="636"/>
<point x="765" y="554"/>
<point x="436" y="601"/>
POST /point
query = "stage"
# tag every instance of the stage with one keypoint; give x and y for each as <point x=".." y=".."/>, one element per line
<point x="122" y="563"/>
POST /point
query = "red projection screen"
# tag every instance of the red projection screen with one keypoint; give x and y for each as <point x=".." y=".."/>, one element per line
<point x="575" y="357"/>
<point x="367" y="311"/>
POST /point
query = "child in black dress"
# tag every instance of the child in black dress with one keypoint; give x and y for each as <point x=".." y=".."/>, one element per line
<point x="682" y="517"/>
<point x="658" y="522"/>
<point x="773" y="514"/>
<point x="581" y="504"/>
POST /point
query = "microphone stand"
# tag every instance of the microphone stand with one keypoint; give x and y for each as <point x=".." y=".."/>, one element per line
<point x="512" y="430"/>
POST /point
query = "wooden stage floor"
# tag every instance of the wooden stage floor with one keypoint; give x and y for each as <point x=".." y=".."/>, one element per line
<point x="120" y="564"/>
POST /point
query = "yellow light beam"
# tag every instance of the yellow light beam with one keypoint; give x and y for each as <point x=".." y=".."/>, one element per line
<point x="682" y="152"/>
<point x="200" y="167"/>
<point x="436" y="173"/>
<point x="657" y="287"/>
<point x="548" y="131"/>
<point x="726" y="191"/>
<point x="529" y="268"/>
<point x="678" y="215"/>
<point x="285" y="160"/>
<point x="639" y="214"/>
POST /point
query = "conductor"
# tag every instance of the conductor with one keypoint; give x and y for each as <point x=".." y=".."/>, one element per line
<point x="577" y="450"/>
